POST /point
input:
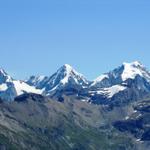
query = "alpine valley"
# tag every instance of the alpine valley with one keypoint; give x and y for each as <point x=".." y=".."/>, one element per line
<point x="66" y="111"/>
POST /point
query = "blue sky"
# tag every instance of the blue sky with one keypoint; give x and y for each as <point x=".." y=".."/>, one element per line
<point x="94" y="36"/>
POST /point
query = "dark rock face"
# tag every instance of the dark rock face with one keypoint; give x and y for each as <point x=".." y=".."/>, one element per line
<point x="143" y="106"/>
<point x="138" y="123"/>
<point x="146" y="136"/>
<point x="30" y="97"/>
<point x="132" y="126"/>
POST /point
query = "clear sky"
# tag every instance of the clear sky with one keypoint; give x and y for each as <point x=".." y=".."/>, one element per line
<point x="94" y="36"/>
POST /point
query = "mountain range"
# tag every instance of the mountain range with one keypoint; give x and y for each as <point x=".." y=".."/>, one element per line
<point x="66" y="111"/>
<point x="130" y="79"/>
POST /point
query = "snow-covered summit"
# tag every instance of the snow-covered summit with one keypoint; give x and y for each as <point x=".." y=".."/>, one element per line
<point x="65" y="77"/>
<point x="131" y="70"/>
<point x="67" y="72"/>
<point x="133" y="75"/>
<point x="121" y="74"/>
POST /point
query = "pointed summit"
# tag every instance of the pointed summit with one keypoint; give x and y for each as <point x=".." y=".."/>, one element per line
<point x="65" y="69"/>
<point x="137" y="63"/>
<point x="68" y="69"/>
<point x="4" y="77"/>
<point x="2" y="71"/>
<point x="121" y="74"/>
<point x="67" y="66"/>
<point x="131" y="70"/>
<point x="66" y="77"/>
<point x="134" y="64"/>
<point x="67" y="72"/>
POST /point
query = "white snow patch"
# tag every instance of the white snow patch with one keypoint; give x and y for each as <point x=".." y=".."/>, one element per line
<point x="111" y="91"/>
<point x="139" y="115"/>
<point x="84" y="100"/>
<point x="53" y="89"/>
<point x="40" y="78"/>
<point x="99" y="79"/>
<point x="127" y="117"/>
<point x="22" y="87"/>
<point x="138" y="140"/>
<point x="3" y="87"/>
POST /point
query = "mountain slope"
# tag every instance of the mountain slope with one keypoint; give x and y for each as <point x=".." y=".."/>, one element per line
<point x="36" y="122"/>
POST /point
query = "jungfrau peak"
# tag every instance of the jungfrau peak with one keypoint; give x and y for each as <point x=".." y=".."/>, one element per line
<point x="65" y="78"/>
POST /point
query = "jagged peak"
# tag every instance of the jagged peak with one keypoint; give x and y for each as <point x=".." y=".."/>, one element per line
<point x="124" y="72"/>
<point x="133" y="64"/>
<point x="2" y="71"/>
<point x="3" y="74"/>
<point x="67" y="68"/>
<point x="68" y="72"/>
<point x="131" y="70"/>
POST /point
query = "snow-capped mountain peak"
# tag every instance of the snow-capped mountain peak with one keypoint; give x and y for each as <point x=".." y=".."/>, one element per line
<point x="134" y="63"/>
<point x="4" y="77"/>
<point x="132" y="74"/>
<point x="131" y="70"/>
<point x="68" y="67"/>
<point x="67" y="72"/>
<point x="66" y="77"/>
<point x="122" y="74"/>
